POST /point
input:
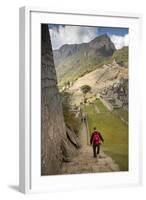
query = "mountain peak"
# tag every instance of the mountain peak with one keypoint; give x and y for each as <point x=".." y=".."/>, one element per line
<point x="103" y="45"/>
<point x="103" y="39"/>
<point x="77" y="58"/>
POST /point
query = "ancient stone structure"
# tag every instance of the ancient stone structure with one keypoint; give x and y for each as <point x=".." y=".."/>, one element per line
<point x="57" y="143"/>
<point x="117" y="94"/>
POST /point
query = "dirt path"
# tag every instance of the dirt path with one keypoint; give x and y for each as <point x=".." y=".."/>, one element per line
<point x="83" y="136"/>
<point x="84" y="161"/>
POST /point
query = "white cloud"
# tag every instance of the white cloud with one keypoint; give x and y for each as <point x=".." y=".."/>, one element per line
<point x="71" y="35"/>
<point x="61" y="35"/>
<point x="120" y="41"/>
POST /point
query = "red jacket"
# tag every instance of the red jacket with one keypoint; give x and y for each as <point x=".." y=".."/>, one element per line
<point x="96" y="132"/>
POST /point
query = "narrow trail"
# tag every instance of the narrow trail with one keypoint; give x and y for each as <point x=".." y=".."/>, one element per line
<point x="84" y="162"/>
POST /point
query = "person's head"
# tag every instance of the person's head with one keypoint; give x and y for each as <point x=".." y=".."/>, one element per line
<point x="94" y="128"/>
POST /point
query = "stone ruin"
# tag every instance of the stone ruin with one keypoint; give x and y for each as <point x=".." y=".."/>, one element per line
<point x="117" y="94"/>
<point x="58" y="143"/>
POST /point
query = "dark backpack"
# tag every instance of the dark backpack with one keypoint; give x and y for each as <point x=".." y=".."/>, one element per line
<point x="96" y="138"/>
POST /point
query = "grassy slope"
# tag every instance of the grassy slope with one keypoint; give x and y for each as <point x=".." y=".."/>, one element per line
<point x="114" y="131"/>
<point x="121" y="56"/>
<point x="78" y="65"/>
<point x="123" y="113"/>
<point x="100" y="105"/>
<point x="73" y="74"/>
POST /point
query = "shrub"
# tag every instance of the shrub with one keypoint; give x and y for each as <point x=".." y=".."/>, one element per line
<point x="85" y="89"/>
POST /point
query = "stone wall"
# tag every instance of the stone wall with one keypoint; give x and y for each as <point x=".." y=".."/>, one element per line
<point x="117" y="94"/>
<point x="56" y="146"/>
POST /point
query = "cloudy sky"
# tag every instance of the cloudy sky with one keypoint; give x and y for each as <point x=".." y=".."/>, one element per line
<point x="66" y="34"/>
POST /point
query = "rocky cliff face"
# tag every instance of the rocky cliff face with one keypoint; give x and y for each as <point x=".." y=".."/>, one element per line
<point x="57" y="143"/>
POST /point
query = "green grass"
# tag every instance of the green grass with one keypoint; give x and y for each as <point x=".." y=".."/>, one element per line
<point x="122" y="113"/>
<point x="114" y="131"/>
<point x="100" y="105"/>
<point x="121" y="56"/>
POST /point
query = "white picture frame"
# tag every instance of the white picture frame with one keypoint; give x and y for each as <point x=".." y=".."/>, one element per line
<point x="30" y="178"/>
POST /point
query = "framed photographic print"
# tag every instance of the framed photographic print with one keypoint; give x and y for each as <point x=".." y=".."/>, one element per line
<point x="79" y="100"/>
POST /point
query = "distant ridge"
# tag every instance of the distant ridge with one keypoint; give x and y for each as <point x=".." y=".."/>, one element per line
<point x="74" y="60"/>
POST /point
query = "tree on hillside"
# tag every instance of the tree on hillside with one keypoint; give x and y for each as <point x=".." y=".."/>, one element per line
<point x="85" y="89"/>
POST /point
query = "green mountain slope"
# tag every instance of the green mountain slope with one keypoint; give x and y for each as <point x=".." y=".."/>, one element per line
<point x="73" y="61"/>
<point x="121" y="56"/>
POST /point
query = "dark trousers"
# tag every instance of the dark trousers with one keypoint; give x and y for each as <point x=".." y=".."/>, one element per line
<point x="96" y="149"/>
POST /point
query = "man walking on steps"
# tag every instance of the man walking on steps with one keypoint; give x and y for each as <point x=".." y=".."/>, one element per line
<point x="95" y="141"/>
